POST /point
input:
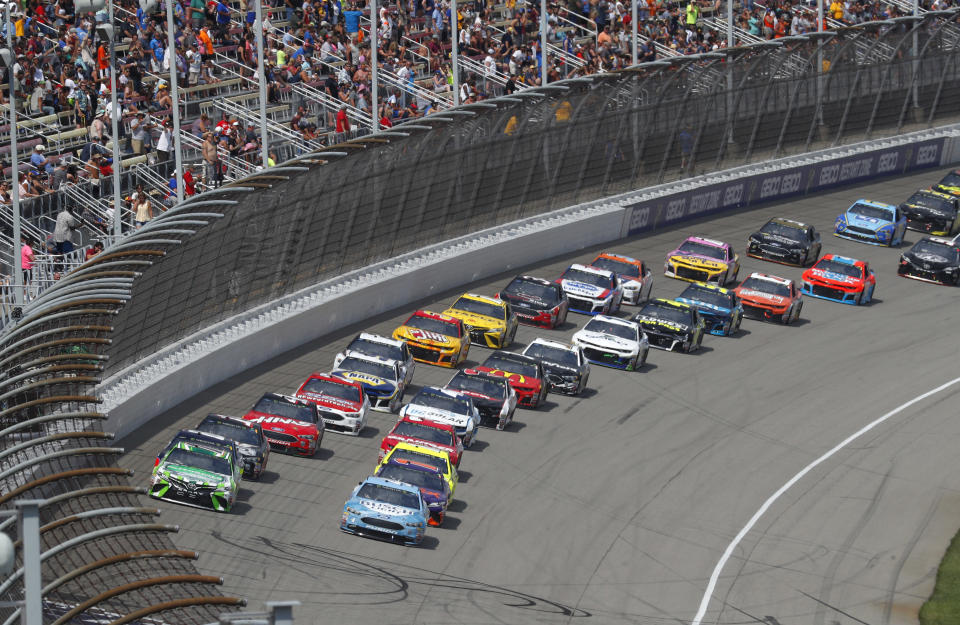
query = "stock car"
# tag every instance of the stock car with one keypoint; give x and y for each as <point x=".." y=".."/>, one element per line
<point x="435" y="338"/>
<point x="841" y="279"/>
<point x="872" y="222"/>
<point x="445" y="406"/>
<point x="671" y="325"/>
<point x="785" y="241"/>
<point x="566" y="369"/>
<point x="636" y="277"/>
<point x="703" y="260"/>
<point x="591" y="290"/>
<point x="208" y="441"/>
<point x="932" y="212"/>
<point x="381" y="380"/>
<point x="196" y="475"/>
<point x="932" y="259"/>
<point x="342" y="404"/>
<point x="252" y="445"/>
<point x="613" y="342"/>
<point x="386" y="509"/>
<point x="524" y="374"/>
<point x="719" y="308"/>
<point x="493" y="396"/>
<point x="405" y="453"/>
<point x="433" y="488"/>
<point x="949" y="184"/>
<point x="381" y="347"/>
<point x="489" y="320"/>
<point x="770" y="297"/>
<point x="425" y="432"/>
<point x="536" y="301"/>
<point x="290" y="424"/>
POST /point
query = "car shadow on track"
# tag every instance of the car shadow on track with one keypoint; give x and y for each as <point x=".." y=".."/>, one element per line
<point x="267" y="477"/>
<point x="457" y="505"/>
<point x="479" y="445"/>
<point x="463" y="477"/>
<point x="647" y="366"/>
<point x="324" y="453"/>
<point x="429" y="542"/>
<point x="742" y="332"/>
<point x="370" y="431"/>
<point x="449" y="522"/>
<point x="240" y="508"/>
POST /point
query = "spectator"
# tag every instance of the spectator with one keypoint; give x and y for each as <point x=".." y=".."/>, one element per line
<point x="142" y="208"/>
<point x="67" y="224"/>
<point x="39" y="161"/>
<point x="27" y="258"/>
<point x="92" y="251"/>
<point x="165" y="143"/>
<point x="139" y="133"/>
<point x="343" y="122"/>
<point x="210" y="159"/>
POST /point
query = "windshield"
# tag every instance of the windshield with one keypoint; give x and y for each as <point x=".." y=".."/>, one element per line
<point x="237" y="433"/>
<point x="477" y="384"/>
<point x="379" y="369"/>
<point x="333" y="389"/>
<point x="506" y="364"/>
<point x="199" y="460"/>
<point x="423" y="432"/>
<point x="433" y="399"/>
<point x="605" y="327"/>
<point x="666" y="313"/>
<point x="536" y="290"/>
<point x="549" y="353"/>
<point x="414" y="477"/>
<point x="871" y="212"/>
<point x="709" y="296"/>
<point x="951" y="180"/>
<point x="702" y="249"/>
<point x="373" y="348"/>
<point x="407" y="455"/>
<point x="947" y="252"/>
<point x="389" y="495"/>
<point x="579" y="275"/>
<point x="930" y="201"/>
<point x="842" y="268"/>
<point x="480" y="308"/>
<point x="617" y="266"/>
<point x="766" y="286"/>
<point x="281" y="408"/>
<point x="439" y="326"/>
<point x="783" y="230"/>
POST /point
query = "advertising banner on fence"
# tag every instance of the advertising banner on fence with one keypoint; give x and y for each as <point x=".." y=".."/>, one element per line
<point x="786" y="183"/>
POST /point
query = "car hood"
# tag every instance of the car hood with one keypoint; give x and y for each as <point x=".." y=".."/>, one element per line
<point x="474" y="320"/>
<point x="575" y="287"/>
<point x="706" y="308"/>
<point x="829" y="276"/>
<point x="760" y="296"/>
<point x="925" y="212"/>
<point x="515" y="379"/>
<point x="436" y="414"/>
<point x="558" y="369"/>
<point x="696" y="260"/>
<point x="369" y="382"/>
<point x="655" y="322"/>
<point x="933" y="260"/>
<point x="276" y="423"/>
<point x="190" y="474"/>
<point x="870" y="223"/>
<point x="381" y="507"/>
<point x="425" y="337"/>
<point x="602" y="340"/>
<point x="776" y="239"/>
<point x="526" y="301"/>
<point x="329" y="401"/>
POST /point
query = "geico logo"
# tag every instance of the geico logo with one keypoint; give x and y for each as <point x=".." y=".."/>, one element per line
<point x="829" y="174"/>
<point x="676" y="209"/>
<point x="928" y="154"/>
<point x="770" y="187"/>
<point x="733" y="195"/>
<point x="704" y="202"/>
<point x="856" y="169"/>
<point x="639" y="217"/>
<point x="887" y="162"/>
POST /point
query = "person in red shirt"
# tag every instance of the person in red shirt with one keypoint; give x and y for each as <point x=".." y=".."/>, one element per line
<point x="189" y="185"/>
<point x="343" y="122"/>
<point x="103" y="61"/>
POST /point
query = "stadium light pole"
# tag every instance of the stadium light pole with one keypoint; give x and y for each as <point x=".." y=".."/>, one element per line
<point x="262" y="79"/>
<point x="543" y="43"/>
<point x="635" y="27"/>
<point x="172" y="52"/>
<point x="108" y="32"/>
<point x="374" y="42"/>
<point x="454" y="52"/>
<point x="10" y="59"/>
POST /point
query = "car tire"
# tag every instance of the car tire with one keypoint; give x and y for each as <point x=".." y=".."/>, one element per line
<point x="859" y="301"/>
<point x="643" y="358"/>
<point x="513" y="335"/>
<point x="736" y="326"/>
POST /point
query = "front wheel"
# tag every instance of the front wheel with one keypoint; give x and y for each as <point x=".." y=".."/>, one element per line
<point x="736" y="325"/>
<point x="643" y="357"/>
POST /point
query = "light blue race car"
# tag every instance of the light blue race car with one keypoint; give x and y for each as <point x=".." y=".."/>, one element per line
<point x="872" y="222"/>
<point x="386" y="509"/>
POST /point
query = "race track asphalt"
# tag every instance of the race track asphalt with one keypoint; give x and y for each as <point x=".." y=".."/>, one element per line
<point x="616" y="506"/>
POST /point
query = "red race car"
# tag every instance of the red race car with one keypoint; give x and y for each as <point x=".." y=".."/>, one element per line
<point x="289" y="424"/>
<point x="342" y="403"/>
<point x="840" y="279"/>
<point x="524" y="373"/>
<point x="420" y="431"/>
<point x="770" y="297"/>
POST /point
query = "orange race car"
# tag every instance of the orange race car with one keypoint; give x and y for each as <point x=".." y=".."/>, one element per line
<point x="770" y="297"/>
<point x="636" y="277"/>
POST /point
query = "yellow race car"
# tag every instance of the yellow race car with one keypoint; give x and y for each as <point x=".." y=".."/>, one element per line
<point x="703" y="260"/>
<point x="424" y="458"/>
<point x="489" y="321"/>
<point x="434" y="338"/>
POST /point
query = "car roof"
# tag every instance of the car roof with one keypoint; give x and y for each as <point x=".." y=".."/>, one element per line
<point x="671" y="302"/>
<point x="534" y="279"/>
<point x="197" y="435"/>
<point x="707" y="241"/>
<point x="940" y="240"/>
<point x="551" y="343"/>
<point x="935" y="193"/>
<point x="436" y="390"/>
<point x="770" y="278"/>
<point x="621" y="257"/>
<point x="615" y="320"/>
<point x="330" y="378"/>
<point x="361" y="356"/>
<point x="382" y="481"/>
<point x="606" y="273"/>
<point x="476" y="373"/>
<point x="512" y="356"/>
<point x="376" y="338"/>
<point x="709" y="287"/>
<point x="222" y="418"/>
<point x="846" y="260"/>
<point x="446" y="427"/>
<point x="296" y="401"/>
<point x="483" y="298"/>
<point x="421" y="449"/>
<point x="213" y="451"/>
<point x="434" y="315"/>
<point x="788" y="222"/>
<point x="873" y="203"/>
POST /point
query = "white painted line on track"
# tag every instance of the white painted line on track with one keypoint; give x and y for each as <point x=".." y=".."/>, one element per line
<point x="708" y="593"/>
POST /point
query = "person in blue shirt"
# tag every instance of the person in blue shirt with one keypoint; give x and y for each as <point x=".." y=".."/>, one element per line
<point x="223" y="20"/>
<point x="298" y="53"/>
<point x="352" y="18"/>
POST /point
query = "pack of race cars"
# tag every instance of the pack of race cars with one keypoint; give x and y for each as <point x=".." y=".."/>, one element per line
<point x="415" y="478"/>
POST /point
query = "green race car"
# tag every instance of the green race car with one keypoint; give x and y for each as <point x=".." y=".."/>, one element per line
<point x="196" y="476"/>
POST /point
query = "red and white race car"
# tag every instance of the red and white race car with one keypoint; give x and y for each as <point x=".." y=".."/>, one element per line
<point x="524" y="373"/>
<point x="770" y="297"/>
<point x="426" y="433"/>
<point x="342" y="404"/>
<point x="289" y="424"/>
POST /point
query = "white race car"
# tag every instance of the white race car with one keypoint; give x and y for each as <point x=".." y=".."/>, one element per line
<point x="381" y="379"/>
<point x="592" y="291"/>
<point x="613" y="342"/>
<point x="445" y="406"/>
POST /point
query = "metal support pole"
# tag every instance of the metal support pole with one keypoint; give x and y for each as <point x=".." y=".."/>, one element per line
<point x="28" y="524"/>
<point x="819" y="62"/>
<point x="374" y="42"/>
<point x="454" y="52"/>
<point x="636" y="29"/>
<point x="913" y="26"/>
<point x="172" y="51"/>
<point x="544" y="64"/>
<point x="730" y="41"/>
<point x="18" y="286"/>
<point x="729" y="68"/>
<point x="114" y="130"/>
<point x="262" y="79"/>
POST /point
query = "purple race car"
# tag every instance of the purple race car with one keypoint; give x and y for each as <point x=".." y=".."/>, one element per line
<point x="433" y="487"/>
<point x="703" y="260"/>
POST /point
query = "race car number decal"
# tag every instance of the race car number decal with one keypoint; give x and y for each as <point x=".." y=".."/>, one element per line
<point x="426" y="334"/>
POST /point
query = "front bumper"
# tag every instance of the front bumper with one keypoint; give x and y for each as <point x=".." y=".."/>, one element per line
<point x="934" y="277"/>
<point x="610" y="358"/>
<point x="528" y="397"/>
<point x="631" y="295"/>
<point x="209" y="497"/>
<point x="760" y="311"/>
<point x="349" y="424"/>
<point x="488" y="337"/>
<point x="862" y="235"/>
<point x="289" y="444"/>
<point x="717" y="325"/>
<point x="381" y="402"/>
<point x="253" y="466"/>
<point x="785" y="256"/>
<point x="382" y="529"/>
<point x="832" y="293"/>
<point x="693" y="274"/>
<point x="446" y="357"/>
<point x="938" y="226"/>
<point x="561" y="385"/>
<point x="667" y="342"/>
<point x="588" y="305"/>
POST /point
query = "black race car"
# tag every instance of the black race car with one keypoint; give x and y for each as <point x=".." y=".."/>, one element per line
<point x="932" y="212"/>
<point x="565" y="367"/>
<point x="932" y="260"/>
<point x="785" y="241"/>
<point x="493" y="396"/>
<point x="253" y="446"/>
<point x="949" y="184"/>
<point x="671" y="325"/>
<point x="536" y="301"/>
